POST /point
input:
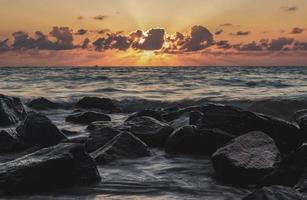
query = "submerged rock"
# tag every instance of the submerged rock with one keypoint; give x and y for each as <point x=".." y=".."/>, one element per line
<point x="99" y="138"/>
<point x="246" y="159"/>
<point x="47" y="169"/>
<point x="11" y="110"/>
<point x="151" y="131"/>
<point x="289" y="171"/>
<point x="189" y="139"/>
<point x="87" y="117"/>
<point x="275" y="193"/>
<point x="96" y="103"/>
<point x="10" y="142"/>
<point x="43" y="104"/>
<point x="37" y="129"/>
<point x="237" y="122"/>
<point x="123" y="146"/>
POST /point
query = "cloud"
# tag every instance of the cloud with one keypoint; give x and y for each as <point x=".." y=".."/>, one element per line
<point x="223" y="44"/>
<point x="81" y="32"/>
<point x="64" y="36"/>
<point x="4" y="45"/>
<point x="252" y="46"/>
<point x="289" y="8"/>
<point x="103" y="31"/>
<point x="100" y="17"/>
<point x="112" y="41"/>
<point x="153" y="39"/>
<point x="85" y="43"/>
<point x="300" y="46"/>
<point x="226" y="24"/>
<point x="241" y="33"/>
<point x="219" y="32"/>
<point x="297" y="30"/>
<point x="80" y="17"/>
<point x="278" y="44"/>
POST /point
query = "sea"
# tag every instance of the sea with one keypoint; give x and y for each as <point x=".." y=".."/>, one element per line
<point x="276" y="91"/>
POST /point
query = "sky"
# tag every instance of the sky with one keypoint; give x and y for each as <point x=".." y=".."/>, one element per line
<point x="153" y="33"/>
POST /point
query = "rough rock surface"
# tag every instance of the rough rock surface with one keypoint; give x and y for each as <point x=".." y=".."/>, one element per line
<point x="246" y="159"/>
<point x="43" y="104"/>
<point x="11" y="110"/>
<point x="10" y="142"/>
<point x="96" y="103"/>
<point x="87" y="117"/>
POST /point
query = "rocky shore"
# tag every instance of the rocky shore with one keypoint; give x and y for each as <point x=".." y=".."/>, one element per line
<point x="247" y="149"/>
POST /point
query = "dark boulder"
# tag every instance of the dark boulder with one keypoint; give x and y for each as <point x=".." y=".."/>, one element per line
<point x="87" y="117"/>
<point x="151" y="131"/>
<point x="48" y="169"/>
<point x="37" y="129"/>
<point x="275" y="193"/>
<point x="10" y="142"/>
<point x="96" y="103"/>
<point x="301" y="118"/>
<point x="289" y="170"/>
<point x="11" y="110"/>
<point x="237" y="122"/>
<point x="98" y="125"/>
<point x="43" y="104"/>
<point x="191" y="140"/>
<point x="123" y="146"/>
<point x="147" y="113"/>
<point x="246" y="159"/>
<point x="99" y="138"/>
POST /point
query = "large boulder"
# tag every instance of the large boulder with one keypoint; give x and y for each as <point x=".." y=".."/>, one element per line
<point x="237" y="122"/>
<point x="151" y="131"/>
<point x="148" y="113"/>
<point x="246" y="159"/>
<point x="43" y="104"/>
<point x="37" y="129"/>
<point x="87" y="117"/>
<point x="47" y="169"/>
<point x="123" y="146"/>
<point x="189" y="139"/>
<point x="10" y="141"/>
<point x="96" y="103"/>
<point x="11" y="110"/>
<point x="99" y="138"/>
<point x="301" y="118"/>
<point x="275" y="193"/>
<point x="289" y="170"/>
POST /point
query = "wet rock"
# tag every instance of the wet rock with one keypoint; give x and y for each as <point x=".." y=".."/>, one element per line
<point x="237" y="122"/>
<point x="96" y="126"/>
<point x="123" y="146"/>
<point x="47" y="169"/>
<point x="246" y="159"/>
<point x="11" y="110"/>
<point x="151" y="131"/>
<point x="301" y="118"/>
<point x="302" y="183"/>
<point x="191" y="140"/>
<point x="147" y="113"/>
<point x="43" y="104"/>
<point x="87" y="117"/>
<point x="99" y="138"/>
<point x="275" y="193"/>
<point x="37" y="129"/>
<point x="96" y="103"/>
<point x="10" y="142"/>
<point x="289" y="171"/>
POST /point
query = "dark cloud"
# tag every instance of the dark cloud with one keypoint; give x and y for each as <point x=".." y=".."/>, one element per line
<point x="223" y="44"/>
<point x="252" y="46"/>
<point x="226" y="24"/>
<point x="112" y="41"/>
<point x="80" y="18"/>
<point x="64" y="36"/>
<point x="289" y="8"/>
<point x="81" y="32"/>
<point x="85" y="43"/>
<point x="103" y="31"/>
<point x="219" y="32"/>
<point x="278" y="44"/>
<point x="300" y="46"/>
<point x="241" y="33"/>
<point x="151" y="40"/>
<point x="297" y="30"/>
<point x="4" y="45"/>
<point x="100" y="17"/>
<point x="22" y="41"/>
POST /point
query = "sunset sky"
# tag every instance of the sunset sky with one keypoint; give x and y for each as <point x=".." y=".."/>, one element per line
<point x="153" y="32"/>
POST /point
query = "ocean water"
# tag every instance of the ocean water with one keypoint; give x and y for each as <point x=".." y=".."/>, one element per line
<point x="278" y="91"/>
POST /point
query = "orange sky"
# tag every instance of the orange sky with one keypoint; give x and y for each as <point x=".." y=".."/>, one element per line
<point x="217" y="32"/>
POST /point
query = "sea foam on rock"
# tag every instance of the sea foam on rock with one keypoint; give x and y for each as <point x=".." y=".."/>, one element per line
<point x="123" y="146"/>
<point x="47" y="169"/>
<point x="87" y="117"/>
<point x="189" y="139"/>
<point x="37" y="129"/>
<point x="246" y="159"/>
<point x="11" y="110"/>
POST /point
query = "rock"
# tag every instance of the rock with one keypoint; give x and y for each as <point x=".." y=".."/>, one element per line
<point x="302" y="183"/>
<point x="87" y="117"/>
<point x="151" y="131"/>
<point x="301" y="118"/>
<point x="69" y="132"/>
<point x="186" y="119"/>
<point x="96" y="103"/>
<point x="43" y="104"/>
<point x="148" y="113"/>
<point x="289" y="171"/>
<point x="48" y="169"/>
<point x="237" y="122"/>
<point x="10" y="142"/>
<point x="99" y="138"/>
<point x="11" y="110"/>
<point x="37" y="129"/>
<point x="123" y="146"/>
<point x="96" y="126"/>
<point x="275" y="193"/>
<point x="246" y="159"/>
<point x="189" y="139"/>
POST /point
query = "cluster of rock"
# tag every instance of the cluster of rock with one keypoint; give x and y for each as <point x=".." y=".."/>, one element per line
<point x="247" y="149"/>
